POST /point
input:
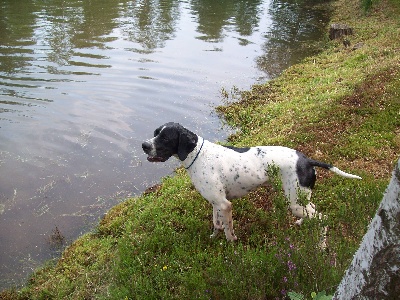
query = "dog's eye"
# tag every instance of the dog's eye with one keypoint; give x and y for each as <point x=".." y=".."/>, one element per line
<point x="163" y="138"/>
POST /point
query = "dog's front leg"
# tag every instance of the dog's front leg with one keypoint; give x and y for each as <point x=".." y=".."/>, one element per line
<point x="222" y="212"/>
<point x="225" y="209"/>
<point x="217" y="222"/>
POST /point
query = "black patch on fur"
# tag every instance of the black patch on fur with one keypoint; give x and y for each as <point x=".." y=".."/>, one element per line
<point x="240" y="150"/>
<point x="305" y="171"/>
<point x="187" y="142"/>
<point x="172" y="138"/>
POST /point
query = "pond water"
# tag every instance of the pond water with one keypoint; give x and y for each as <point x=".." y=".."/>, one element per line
<point x="83" y="83"/>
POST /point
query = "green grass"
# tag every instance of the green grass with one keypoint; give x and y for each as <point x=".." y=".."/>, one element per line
<point x="341" y="106"/>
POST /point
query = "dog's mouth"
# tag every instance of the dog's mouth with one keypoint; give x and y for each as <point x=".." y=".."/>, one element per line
<point x="156" y="159"/>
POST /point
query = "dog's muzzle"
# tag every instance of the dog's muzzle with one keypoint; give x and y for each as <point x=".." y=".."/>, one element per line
<point x="148" y="149"/>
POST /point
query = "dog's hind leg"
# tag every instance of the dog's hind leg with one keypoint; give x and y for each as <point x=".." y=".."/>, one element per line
<point x="306" y="211"/>
<point x="293" y="192"/>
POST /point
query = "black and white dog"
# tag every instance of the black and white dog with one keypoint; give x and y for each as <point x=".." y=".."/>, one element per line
<point x="222" y="173"/>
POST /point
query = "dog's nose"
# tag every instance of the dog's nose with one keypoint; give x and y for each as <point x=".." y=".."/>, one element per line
<point x="146" y="146"/>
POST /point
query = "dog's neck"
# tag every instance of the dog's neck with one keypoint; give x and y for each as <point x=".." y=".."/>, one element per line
<point x="192" y="156"/>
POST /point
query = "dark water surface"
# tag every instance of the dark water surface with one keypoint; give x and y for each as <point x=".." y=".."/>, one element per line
<point x="83" y="83"/>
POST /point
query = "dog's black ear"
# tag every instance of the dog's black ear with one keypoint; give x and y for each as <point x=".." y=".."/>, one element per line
<point x="187" y="142"/>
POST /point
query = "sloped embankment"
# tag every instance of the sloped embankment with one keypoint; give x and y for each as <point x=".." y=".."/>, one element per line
<point x="341" y="106"/>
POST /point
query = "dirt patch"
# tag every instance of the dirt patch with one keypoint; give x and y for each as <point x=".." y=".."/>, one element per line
<point x="263" y="198"/>
<point x="372" y="93"/>
<point x="153" y="189"/>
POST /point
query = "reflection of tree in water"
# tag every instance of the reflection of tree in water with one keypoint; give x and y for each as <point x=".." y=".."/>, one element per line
<point x="73" y="25"/>
<point x="61" y="28"/>
<point x="150" y="22"/>
<point x="59" y="36"/>
<point x="213" y="16"/>
<point x="98" y="21"/>
<point x="247" y="16"/>
<point x="294" y="24"/>
<point x="15" y="34"/>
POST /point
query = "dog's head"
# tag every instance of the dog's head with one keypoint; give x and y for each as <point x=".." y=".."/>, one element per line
<point x="170" y="139"/>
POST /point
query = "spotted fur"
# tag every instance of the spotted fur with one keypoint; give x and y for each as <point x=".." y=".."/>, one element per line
<point x="222" y="173"/>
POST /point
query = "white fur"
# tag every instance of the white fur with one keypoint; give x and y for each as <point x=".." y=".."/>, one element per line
<point x="220" y="173"/>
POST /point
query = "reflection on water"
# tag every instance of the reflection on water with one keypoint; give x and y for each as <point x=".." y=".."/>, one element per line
<point x="83" y="83"/>
<point x="294" y="22"/>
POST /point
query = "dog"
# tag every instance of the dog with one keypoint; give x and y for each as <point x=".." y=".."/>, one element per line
<point x="221" y="173"/>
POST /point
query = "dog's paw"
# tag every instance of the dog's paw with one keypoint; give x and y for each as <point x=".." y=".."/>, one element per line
<point x="322" y="217"/>
<point x="322" y="244"/>
<point x="215" y="233"/>
<point x="231" y="238"/>
<point x="299" y="222"/>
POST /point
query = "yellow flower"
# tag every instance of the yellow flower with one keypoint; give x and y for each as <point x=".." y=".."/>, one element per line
<point x="164" y="268"/>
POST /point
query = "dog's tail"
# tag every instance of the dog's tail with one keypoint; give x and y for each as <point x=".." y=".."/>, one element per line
<point x="316" y="163"/>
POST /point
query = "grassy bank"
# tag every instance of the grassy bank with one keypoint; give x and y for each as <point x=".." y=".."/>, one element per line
<point x="341" y="106"/>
